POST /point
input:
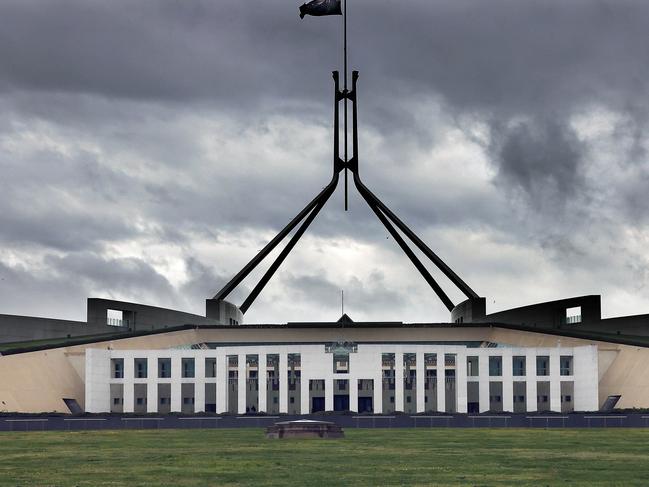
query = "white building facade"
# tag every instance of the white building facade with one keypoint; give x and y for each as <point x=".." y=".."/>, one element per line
<point x="366" y="378"/>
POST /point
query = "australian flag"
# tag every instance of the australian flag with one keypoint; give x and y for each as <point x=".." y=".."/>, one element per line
<point x="321" y="7"/>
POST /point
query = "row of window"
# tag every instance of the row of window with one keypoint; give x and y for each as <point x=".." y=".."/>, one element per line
<point x="519" y="366"/>
<point x="188" y="368"/>
<point x="140" y="401"/>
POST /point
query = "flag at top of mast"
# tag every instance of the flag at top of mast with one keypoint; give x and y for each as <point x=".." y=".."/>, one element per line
<point x="321" y="7"/>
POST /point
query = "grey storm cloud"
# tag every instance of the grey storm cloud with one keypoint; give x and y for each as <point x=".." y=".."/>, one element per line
<point x="363" y="295"/>
<point x="541" y="158"/>
<point x="206" y="125"/>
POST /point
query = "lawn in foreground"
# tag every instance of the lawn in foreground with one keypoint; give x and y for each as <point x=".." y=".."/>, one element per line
<point x="365" y="457"/>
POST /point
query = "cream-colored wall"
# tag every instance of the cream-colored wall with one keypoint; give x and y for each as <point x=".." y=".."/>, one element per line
<point x="38" y="381"/>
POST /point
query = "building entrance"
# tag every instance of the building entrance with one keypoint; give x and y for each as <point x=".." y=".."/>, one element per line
<point x="341" y="402"/>
<point x="365" y="405"/>
<point x="317" y="404"/>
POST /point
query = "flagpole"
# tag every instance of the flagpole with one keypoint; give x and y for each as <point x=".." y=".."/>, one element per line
<point x="345" y="87"/>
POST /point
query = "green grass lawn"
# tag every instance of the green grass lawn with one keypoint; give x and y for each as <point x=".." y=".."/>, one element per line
<point x="365" y="457"/>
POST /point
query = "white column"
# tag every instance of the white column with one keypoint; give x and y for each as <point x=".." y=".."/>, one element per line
<point x="530" y="380"/>
<point x="329" y="394"/>
<point x="585" y="374"/>
<point x="97" y="394"/>
<point x="398" y="381"/>
<point x="242" y="383"/>
<point x="199" y="383"/>
<point x="461" y="381"/>
<point x="152" y="385"/>
<point x="441" y="381"/>
<point x="421" y="390"/>
<point x="353" y="394"/>
<point x="129" y="374"/>
<point x="221" y="382"/>
<point x="378" y="390"/>
<point x="261" y="381"/>
<point x="305" y="407"/>
<point x="483" y="380"/>
<point x="508" y="380"/>
<point x="555" y="380"/>
<point x="283" y="382"/>
<point x="176" y="391"/>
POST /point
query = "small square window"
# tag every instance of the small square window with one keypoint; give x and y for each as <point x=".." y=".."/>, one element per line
<point x="275" y="400"/>
<point x="116" y="400"/>
<point x="408" y="399"/>
<point x="292" y="400"/>
<point x="391" y="398"/>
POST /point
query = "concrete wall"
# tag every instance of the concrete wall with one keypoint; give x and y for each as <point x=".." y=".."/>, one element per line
<point x="469" y="311"/>
<point x="140" y="317"/>
<point x="137" y="317"/>
<point x="24" y="328"/>
<point x="549" y="314"/>
<point x="223" y="312"/>
<point x="624" y="325"/>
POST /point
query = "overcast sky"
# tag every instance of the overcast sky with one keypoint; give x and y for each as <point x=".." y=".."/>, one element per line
<point x="148" y="150"/>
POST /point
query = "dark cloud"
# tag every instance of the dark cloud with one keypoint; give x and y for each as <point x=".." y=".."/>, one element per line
<point x="61" y="284"/>
<point x="373" y="294"/>
<point x="541" y="159"/>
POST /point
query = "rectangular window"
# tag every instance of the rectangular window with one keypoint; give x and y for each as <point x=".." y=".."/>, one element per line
<point x="164" y="368"/>
<point x="518" y="364"/>
<point x="566" y="365"/>
<point x="430" y="359"/>
<point x="495" y="366"/>
<point x="117" y="368"/>
<point x="472" y="366"/>
<point x="140" y="368"/>
<point x="341" y="363"/>
<point x="115" y="317"/>
<point x="210" y="367"/>
<point x="543" y="365"/>
<point x="573" y="315"/>
<point x="188" y="367"/>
